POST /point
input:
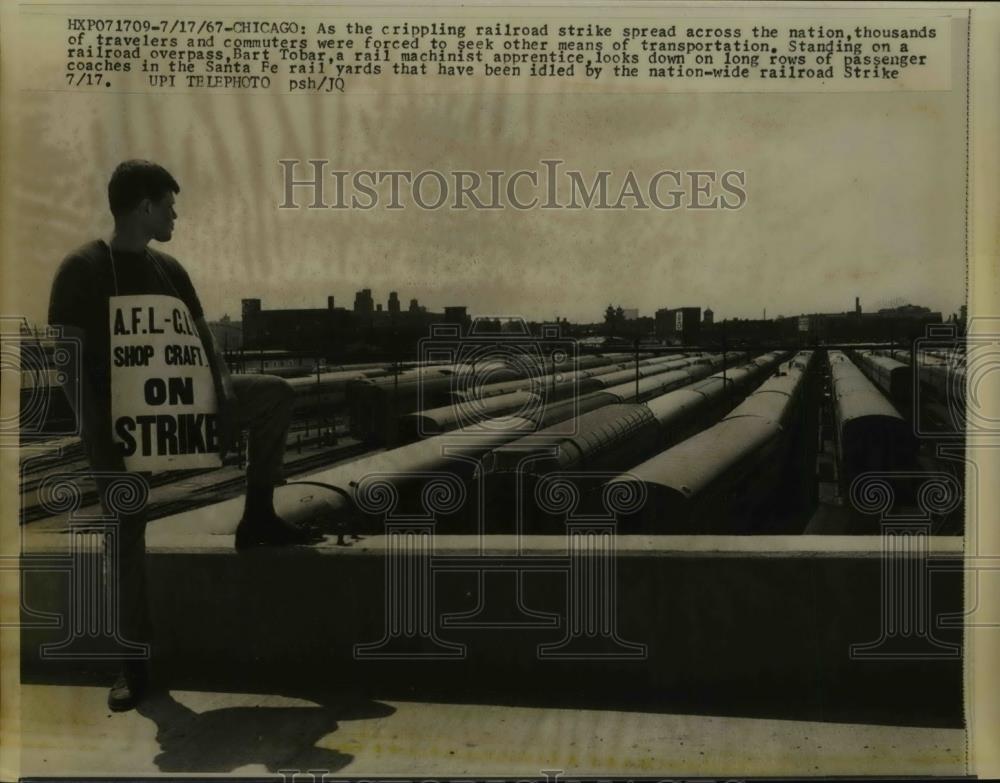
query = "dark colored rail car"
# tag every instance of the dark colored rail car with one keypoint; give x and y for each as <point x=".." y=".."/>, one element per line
<point x="871" y="433"/>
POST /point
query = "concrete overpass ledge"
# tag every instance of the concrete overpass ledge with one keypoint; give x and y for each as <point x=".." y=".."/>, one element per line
<point x="783" y="626"/>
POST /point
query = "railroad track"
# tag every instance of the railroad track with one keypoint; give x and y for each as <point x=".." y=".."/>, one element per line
<point x="223" y="490"/>
<point x="212" y="492"/>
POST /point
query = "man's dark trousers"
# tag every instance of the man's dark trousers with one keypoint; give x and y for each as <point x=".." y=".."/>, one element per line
<point x="263" y="406"/>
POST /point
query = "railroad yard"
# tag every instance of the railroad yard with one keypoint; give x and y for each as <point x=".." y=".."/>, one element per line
<point x="620" y="519"/>
<point x="705" y="540"/>
<point x="682" y="442"/>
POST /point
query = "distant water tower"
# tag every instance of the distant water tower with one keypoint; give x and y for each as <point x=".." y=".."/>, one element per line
<point x="709" y="317"/>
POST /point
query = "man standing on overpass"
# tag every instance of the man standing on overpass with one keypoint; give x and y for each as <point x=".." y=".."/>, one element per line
<point x="96" y="284"/>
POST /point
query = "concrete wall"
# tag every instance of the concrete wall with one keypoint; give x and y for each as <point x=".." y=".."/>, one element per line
<point x="753" y="625"/>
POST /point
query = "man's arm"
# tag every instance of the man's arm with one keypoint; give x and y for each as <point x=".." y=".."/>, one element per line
<point x="225" y="394"/>
<point x="71" y="300"/>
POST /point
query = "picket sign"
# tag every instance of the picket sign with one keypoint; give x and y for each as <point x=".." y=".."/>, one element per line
<point x="163" y="403"/>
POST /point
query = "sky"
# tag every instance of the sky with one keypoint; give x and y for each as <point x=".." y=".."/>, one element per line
<point x="849" y="194"/>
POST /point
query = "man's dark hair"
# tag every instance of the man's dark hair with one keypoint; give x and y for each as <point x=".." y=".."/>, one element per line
<point x="134" y="180"/>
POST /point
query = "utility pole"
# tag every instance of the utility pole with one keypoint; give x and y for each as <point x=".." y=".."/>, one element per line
<point x="637" y="368"/>
<point x="395" y="382"/>
<point x="725" y="361"/>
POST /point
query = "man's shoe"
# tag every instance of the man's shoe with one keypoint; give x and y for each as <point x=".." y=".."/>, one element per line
<point x="272" y="531"/>
<point x="129" y="688"/>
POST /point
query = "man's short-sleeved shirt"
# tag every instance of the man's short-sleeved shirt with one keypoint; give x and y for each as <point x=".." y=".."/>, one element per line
<point x="87" y="279"/>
